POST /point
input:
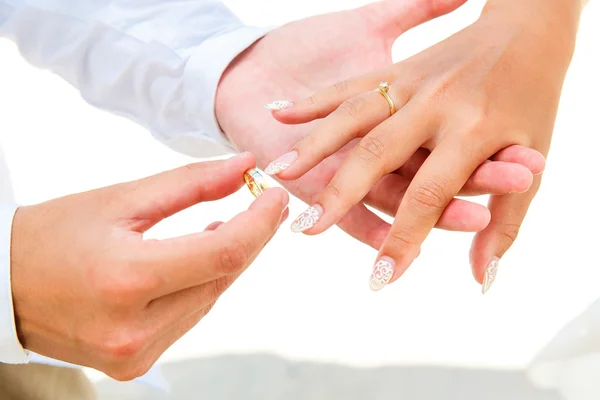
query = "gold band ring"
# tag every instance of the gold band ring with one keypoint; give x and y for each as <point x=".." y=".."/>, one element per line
<point x="256" y="182"/>
<point x="383" y="89"/>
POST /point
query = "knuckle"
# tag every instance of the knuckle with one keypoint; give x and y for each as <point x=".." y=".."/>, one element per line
<point x="370" y="149"/>
<point x="317" y="106"/>
<point x="311" y="141"/>
<point x="332" y="191"/>
<point x="402" y="238"/>
<point x="430" y="196"/>
<point x="475" y="125"/>
<point x="122" y="345"/>
<point x="352" y="107"/>
<point x="509" y="232"/>
<point x="341" y="87"/>
<point x="235" y="256"/>
<point x="192" y="170"/>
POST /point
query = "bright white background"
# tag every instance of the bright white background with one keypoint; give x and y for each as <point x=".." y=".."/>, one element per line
<point x="308" y="298"/>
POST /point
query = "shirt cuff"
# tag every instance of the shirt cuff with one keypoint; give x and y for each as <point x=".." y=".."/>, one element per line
<point x="204" y="70"/>
<point x="11" y="351"/>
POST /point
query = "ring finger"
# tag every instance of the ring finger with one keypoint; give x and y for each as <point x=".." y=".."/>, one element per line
<point x="353" y="118"/>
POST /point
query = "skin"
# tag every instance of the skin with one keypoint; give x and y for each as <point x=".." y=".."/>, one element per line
<point x="493" y="85"/>
<point x="95" y="293"/>
<point x="135" y="297"/>
<point x="321" y="56"/>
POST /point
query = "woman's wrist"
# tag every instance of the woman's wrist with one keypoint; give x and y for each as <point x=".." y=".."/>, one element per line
<point x="560" y="17"/>
<point x="546" y="29"/>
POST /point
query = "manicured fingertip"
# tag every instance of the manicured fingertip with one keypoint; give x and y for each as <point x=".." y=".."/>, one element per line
<point x="308" y="219"/>
<point x="382" y="274"/>
<point x="281" y="163"/>
<point x="481" y="253"/>
<point x="279" y="105"/>
<point x="491" y="271"/>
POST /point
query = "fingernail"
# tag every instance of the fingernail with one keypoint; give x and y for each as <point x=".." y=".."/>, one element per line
<point x="307" y="219"/>
<point x="490" y="274"/>
<point x="383" y="271"/>
<point x="282" y="163"/>
<point x="279" y="105"/>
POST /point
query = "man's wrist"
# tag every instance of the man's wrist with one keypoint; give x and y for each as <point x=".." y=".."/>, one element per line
<point x="243" y="89"/>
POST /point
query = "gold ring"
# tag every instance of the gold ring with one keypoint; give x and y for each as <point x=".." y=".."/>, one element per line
<point x="256" y="182"/>
<point x="383" y="89"/>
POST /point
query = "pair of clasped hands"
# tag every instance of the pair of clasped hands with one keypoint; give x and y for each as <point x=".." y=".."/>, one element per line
<point x="475" y="115"/>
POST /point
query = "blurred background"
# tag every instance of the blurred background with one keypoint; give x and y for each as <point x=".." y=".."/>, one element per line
<point x="301" y="323"/>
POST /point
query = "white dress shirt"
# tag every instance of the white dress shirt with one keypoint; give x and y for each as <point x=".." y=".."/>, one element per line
<point x="157" y="62"/>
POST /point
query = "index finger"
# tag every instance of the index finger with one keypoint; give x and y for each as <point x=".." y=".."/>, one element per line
<point x="192" y="260"/>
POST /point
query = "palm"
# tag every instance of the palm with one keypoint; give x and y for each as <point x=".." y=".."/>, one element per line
<point x="292" y="62"/>
<point x="320" y="55"/>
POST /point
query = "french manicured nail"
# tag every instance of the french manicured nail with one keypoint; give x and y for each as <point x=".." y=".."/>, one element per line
<point x="490" y="274"/>
<point x="382" y="274"/>
<point x="282" y="163"/>
<point x="279" y="105"/>
<point x="307" y="219"/>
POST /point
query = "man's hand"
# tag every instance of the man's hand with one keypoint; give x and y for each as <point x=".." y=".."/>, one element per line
<point x="297" y="59"/>
<point x="88" y="289"/>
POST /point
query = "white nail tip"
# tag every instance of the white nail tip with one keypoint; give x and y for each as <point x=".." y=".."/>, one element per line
<point x="490" y="274"/>
<point x="383" y="271"/>
<point x="306" y="220"/>
<point x="276" y="167"/>
<point x="279" y="105"/>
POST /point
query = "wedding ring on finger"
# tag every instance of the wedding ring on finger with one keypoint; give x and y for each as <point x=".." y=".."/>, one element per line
<point x="256" y="182"/>
<point x="383" y="89"/>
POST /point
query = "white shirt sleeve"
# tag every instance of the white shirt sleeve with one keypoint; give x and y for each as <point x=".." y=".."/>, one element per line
<point x="11" y="351"/>
<point x="157" y="62"/>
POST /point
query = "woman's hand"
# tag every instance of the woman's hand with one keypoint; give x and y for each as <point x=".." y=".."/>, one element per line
<point x="88" y="289"/>
<point x="495" y="84"/>
<point x="309" y="54"/>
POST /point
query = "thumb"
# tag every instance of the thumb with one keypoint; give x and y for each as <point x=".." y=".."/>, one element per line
<point x="154" y="198"/>
<point x="394" y="17"/>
